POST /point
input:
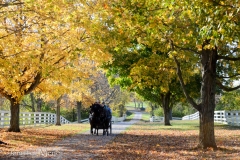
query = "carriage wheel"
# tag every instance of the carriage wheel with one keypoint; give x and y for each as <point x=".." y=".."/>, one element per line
<point x="110" y="126"/>
<point x="91" y="130"/>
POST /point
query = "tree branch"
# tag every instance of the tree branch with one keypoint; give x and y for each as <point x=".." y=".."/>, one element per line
<point x="186" y="49"/>
<point x="37" y="80"/>
<point x="218" y="4"/>
<point x="25" y="104"/>
<point x="10" y="4"/>
<point x="4" y="94"/>
<point x="189" y="99"/>
<point x="229" y="76"/>
<point x="225" y="88"/>
<point x="229" y="58"/>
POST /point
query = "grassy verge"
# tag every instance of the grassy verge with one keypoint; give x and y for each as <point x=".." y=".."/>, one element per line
<point x="132" y="104"/>
<point x="156" y="141"/>
<point x="145" y="116"/>
<point x="31" y="137"/>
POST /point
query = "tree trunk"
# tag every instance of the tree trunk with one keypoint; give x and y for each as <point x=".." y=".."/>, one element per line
<point x="79" y="107"/>
<point x="206" y="116"/>
<point x="170" y="114"/>
<point x="39" y="105"/>
<point x="152" y="109"/>
<point x="14" y="121"/>
<point x="58" y="123"/>
<point x="166" y="108"/>
<point x="33" y="102"/>
<point x="73" y="115"/>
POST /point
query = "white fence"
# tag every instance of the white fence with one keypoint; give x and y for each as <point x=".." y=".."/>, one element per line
<point x="227" y="117"/>
<point x="156" y="119"/>
<point x="191" y="117"/>
<point x="31" y="118"/>
<point x="118" y="119"/>
<point x="161" y="119"/>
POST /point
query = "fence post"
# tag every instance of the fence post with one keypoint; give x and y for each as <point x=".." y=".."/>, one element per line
<point x="34" y="115"/>
<point x="232" y="118"/>
<point x="23" y="119"/>
<point x="237" y="118"/>
<point x="29" y="118"/>
<point x="2" y="119"/>
<point x="44" y="118"/>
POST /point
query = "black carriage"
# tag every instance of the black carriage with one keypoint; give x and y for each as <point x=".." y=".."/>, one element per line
<point x="106" y="129"/>
<point x="99" y="119"/>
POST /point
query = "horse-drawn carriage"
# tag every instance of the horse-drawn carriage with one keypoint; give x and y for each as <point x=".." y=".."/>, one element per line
<point x="100" y="118"/>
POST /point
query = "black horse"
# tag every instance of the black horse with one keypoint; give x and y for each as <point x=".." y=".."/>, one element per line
<point x="98" y="119"/>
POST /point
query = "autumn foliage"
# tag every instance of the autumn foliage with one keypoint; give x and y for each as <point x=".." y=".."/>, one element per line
<point x="33" y="137"/>
<point x="151" y="141"/>
<point x="143" y="140"/>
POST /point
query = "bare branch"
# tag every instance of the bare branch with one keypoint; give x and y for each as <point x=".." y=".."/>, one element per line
<point x="25" y="104"/>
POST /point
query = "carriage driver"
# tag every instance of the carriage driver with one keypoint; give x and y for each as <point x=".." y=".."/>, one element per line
<point x="108" y="109"/>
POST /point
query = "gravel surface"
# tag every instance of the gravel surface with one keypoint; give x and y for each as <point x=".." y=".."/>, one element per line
<point x="79" y="147"/>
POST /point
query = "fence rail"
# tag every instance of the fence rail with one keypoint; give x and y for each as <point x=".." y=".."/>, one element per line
<point x="31" y="118"/>
<point x="156" y="119"/>
<point x="226" y="117"/>
<point x="37" y="118"/>
<point x="118" y="119"/>
<point x="161" y="119"/>
<point x="191" y="117"/>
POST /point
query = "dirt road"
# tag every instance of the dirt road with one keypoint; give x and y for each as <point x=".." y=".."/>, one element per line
<point x="79" y="147"/>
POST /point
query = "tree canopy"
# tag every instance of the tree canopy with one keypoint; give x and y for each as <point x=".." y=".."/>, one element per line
<point x="41" y="42"/>
<point x="201" y="34"/>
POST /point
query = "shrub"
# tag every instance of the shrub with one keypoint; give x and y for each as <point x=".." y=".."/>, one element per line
<point x="158" y="112"/>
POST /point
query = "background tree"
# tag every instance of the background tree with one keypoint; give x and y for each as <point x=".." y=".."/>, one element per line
<point x="229" y="101"/>
<point x="148" y="74"/>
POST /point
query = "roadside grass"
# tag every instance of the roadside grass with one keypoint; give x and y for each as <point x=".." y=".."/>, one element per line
<point x="132" y="105"/>
<point x="146" y="140"/>
<point x="145" y="116"/>
<point x="31" y="137"/>
<point x="131" y="108"/>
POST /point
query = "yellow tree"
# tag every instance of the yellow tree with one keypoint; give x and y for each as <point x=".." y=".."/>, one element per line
<point x="37" y="39"/>
<point x="72" y="81"/>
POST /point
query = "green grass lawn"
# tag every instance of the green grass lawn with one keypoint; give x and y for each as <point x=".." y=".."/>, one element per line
<point x="132" y="105"/>
<point x="145" y="116"/>
<point x="175" y="125"/>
